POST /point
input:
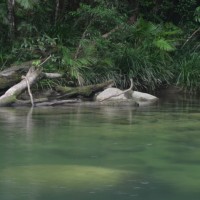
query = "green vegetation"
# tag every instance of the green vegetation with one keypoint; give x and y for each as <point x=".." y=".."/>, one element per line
<point x="154" y="42"/>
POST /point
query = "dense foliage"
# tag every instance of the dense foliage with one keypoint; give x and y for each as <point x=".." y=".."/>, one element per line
<point x="155" y="42"/>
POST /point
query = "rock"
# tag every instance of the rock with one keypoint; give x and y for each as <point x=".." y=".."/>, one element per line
<point x="143" y="99"/>
<point x="111" y="92"/>
<point x="109" y="97"/>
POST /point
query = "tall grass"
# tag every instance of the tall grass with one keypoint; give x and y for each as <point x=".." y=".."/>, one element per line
<point x="188" y="72"/>
<point x="132" y="53"/>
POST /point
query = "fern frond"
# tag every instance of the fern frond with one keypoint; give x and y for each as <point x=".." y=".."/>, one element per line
<point x="163" y="44"/>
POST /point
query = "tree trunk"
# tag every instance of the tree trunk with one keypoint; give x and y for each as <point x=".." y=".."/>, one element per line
<point x="84" y="91"/>
<point x="12" y="75"/>
<point x="11" y="18"/>
<point x="8" y="81"/>
<point x="11" y="95"/>
<point x="56" y="11"/>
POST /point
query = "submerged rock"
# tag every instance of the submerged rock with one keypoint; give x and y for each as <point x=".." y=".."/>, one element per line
<point x="144" y="99"/>
<point x="67" y="176"/>
<point x="143" y="96"/>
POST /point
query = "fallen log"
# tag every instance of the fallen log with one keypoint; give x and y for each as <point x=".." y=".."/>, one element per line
<point x="16" y="67"/>
<point x="55" y="102"/>
<point x="44" y="102"/>
<point x="19" y="103"/>
<point x="13" y="74"/>
<point x="6" y="82"/>
<point x="11" y="80"/>
<point x="84" y="91"/>
<point x="11" y="94"/>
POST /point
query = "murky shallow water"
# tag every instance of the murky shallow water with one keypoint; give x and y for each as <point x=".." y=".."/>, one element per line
<point x="101" y="153"/>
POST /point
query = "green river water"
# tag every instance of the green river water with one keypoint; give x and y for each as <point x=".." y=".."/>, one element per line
<point x="101" y="153"/>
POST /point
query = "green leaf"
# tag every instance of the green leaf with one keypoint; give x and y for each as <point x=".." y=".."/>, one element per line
<point x="163" y="44"/>
<point x="36" y="62"/>
<point x="197" y="14"/>
<point x="27" y="4"/>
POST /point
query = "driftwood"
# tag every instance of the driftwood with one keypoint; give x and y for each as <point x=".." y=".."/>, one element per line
<point x="8" y="81"/>
<point x="84" y="91"/>
<point x="17" y="79"/>
<point x="45" y="102"/>
<point x="18" y="102"/>
<point x="12" y="75"/>
<point x="65" y="94"/>
<point x="11" y="95"/>
<point x="55" y="102"/>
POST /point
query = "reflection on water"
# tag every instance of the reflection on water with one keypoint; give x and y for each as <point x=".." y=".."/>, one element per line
<point x="101" y="153"/>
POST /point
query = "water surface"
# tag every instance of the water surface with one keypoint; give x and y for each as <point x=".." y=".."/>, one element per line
<point x="101" y="153"/>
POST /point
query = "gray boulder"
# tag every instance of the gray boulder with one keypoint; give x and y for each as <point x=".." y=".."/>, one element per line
<point x="115" y="96"/>
<point x="107" y="93"/>
<point x="143" y="99"/>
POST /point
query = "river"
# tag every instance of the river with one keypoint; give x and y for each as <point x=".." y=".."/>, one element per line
<point x="101" y="153"/>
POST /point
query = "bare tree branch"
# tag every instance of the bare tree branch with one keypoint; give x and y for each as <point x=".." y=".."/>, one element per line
<point x="191" y="36"/>
<point x="29" y="90"/>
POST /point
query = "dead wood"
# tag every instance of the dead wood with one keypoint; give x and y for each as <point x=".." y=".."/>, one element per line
<point x="13" y="74"/>
<point x="11" y="94"/>
<point x="44" y="102"/>
<point x="56" y="102"/>
<point x="19" y="103"/>
<point x="10" y="79"/>
<point x="84" y="91"/>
